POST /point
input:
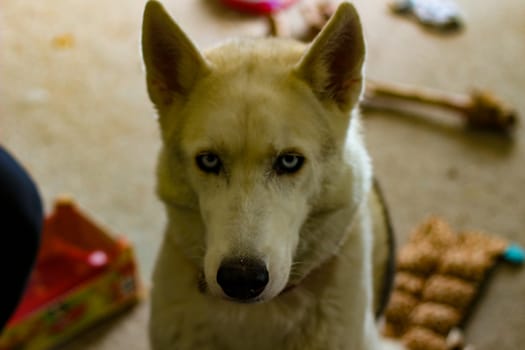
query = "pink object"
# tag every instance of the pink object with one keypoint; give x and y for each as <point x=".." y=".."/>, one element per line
<point x="259" y="6"/>
<point x="98" y="258"/>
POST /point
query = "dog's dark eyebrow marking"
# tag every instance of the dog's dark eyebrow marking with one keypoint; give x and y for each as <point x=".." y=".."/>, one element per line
<point x="201" y="283"/>
<point x="328" y="147"/>
<point x="175" y="337"/>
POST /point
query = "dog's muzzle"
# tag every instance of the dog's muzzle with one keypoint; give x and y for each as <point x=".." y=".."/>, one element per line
<point x="242" y="279"/>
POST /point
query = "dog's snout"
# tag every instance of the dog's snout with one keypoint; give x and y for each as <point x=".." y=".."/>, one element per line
<point x="242" y="279"/>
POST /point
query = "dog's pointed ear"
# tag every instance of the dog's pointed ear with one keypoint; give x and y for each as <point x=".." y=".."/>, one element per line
<point x="173" y="63"/>
<point x="333" y="64"/>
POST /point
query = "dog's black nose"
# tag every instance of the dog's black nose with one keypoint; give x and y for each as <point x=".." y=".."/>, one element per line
<point x="242" y="278"/>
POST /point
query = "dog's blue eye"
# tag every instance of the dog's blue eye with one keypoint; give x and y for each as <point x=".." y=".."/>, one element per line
<point x="209" y="163"/>
<point x="288" y="163"/>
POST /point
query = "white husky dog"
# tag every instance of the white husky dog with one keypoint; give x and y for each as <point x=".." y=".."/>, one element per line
<point x="276" y="239"/>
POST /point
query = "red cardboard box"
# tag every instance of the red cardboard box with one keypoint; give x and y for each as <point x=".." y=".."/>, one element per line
<point x="83" y="274"/>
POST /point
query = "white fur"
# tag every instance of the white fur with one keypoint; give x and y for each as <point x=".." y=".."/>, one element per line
<point x="248" y="101"/>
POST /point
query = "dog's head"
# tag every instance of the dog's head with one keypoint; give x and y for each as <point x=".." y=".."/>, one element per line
<point x="258" y="169"/>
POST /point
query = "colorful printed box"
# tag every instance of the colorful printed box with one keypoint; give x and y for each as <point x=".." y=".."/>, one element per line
<point x="82" y="275"/>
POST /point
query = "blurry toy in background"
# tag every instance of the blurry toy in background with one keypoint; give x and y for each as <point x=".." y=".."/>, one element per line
<point x="439" y="277"/>
<point x="480" y="109"/>
<point x="443" y="15"/>
<point x="83" y="274"/>
<point x="258" y="6"/>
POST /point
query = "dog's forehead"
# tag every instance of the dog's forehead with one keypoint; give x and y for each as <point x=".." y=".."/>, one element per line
<point x="251" y="102"/>
<point x="256" y="118"/>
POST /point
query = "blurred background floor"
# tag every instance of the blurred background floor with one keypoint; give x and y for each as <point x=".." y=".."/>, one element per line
<point x="74" y="111"/>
